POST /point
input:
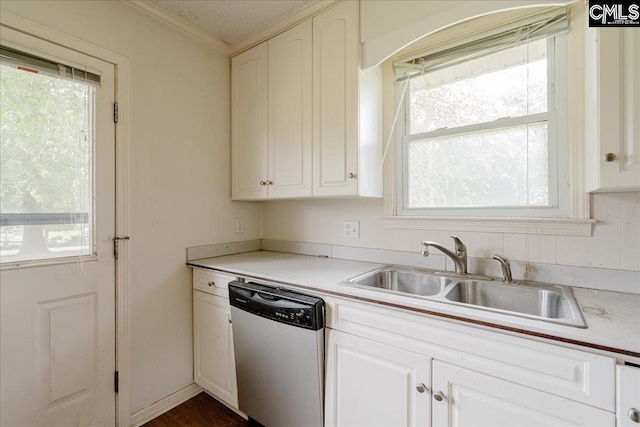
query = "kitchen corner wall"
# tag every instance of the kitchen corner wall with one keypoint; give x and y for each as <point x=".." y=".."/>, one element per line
<point x="615" y="243"/>
<point x="179" y="174"/>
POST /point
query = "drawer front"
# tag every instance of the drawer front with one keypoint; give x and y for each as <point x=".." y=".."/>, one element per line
<point x="212" y="282"/>
<point x="573" y="374"/>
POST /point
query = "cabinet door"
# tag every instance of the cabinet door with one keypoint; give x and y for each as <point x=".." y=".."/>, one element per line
<point x="214" y="362"/>
<point x="290" y="113"/>
<point x="612" y="109"/>
<point x="628" y="396"/>
<point x="469" y="398"/>
<point x="249" y="114"/>
<point x="335" y="101"/>
<point x="372" y="384"/>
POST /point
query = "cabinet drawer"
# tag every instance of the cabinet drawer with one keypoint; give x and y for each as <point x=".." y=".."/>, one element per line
<point x="573" y="374"/>
<point x="212" y="282"/>
<point x="628" y="401"/>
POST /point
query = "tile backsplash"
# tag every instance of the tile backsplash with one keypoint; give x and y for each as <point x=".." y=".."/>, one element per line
<point x="614" y="245"/>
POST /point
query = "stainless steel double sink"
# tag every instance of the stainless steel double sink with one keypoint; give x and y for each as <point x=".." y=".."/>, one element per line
<point x="549" y="303"/>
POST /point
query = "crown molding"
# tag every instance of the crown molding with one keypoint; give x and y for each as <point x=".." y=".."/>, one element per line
<point x="180" y="25"/>
<point x="281" y="26"/>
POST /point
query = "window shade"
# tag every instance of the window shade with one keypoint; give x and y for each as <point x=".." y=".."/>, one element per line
<point x="33" y="63"/>
<point x="491" y="41"/>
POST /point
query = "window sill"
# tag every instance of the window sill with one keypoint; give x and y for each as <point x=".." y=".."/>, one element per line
<point x="549" y="226"/>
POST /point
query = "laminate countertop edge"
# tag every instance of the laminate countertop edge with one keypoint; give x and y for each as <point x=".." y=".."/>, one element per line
<point x="613" y="318"/>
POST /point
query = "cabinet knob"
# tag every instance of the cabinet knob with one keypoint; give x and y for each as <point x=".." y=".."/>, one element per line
<point x="212" y="283"/>
<point x="439" y="396"/>
<point x="421" y="388"/>
<point x="263" y="183"/>
<point x="634" y="415"/>
<point x="352" y="175"/>
<point x="267" y="182"/>
<point x="230" y="319"/>
<point x="610" y="157"/>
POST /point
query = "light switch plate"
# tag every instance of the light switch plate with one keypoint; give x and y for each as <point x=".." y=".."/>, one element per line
<point x="352" y="229"/>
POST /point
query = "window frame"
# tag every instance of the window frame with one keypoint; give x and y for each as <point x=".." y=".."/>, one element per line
<point x="557" y="140"/>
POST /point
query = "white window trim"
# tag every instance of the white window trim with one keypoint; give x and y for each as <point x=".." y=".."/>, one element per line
<point x="578" y="222"/>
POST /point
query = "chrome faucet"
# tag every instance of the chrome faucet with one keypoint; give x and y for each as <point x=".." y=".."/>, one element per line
<point x="459" y="257"/>
<point x="506" y="267"/>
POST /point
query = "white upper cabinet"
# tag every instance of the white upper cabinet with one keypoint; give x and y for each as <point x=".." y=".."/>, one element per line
<point x="249" y="124"/>
<point x="347" y="109"/>
<point x="612" y="109"/>
<point x="289" y="172"/>
<point x="307" y="122"/>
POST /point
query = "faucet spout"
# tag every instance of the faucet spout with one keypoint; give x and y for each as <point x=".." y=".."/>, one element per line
<point x="459" y="257"/>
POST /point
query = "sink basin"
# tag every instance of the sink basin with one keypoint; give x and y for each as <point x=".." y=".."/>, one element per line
<point x="547" y="302"/>
<point x="539" y="301"/>
<point x="401" y="280"/>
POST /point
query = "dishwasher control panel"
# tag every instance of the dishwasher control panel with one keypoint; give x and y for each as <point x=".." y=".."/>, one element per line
<point x="281" y="305"/>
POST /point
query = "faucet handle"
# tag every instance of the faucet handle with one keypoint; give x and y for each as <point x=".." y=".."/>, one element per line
<point x="506" y="267"/>
<point x="460" y="247"/>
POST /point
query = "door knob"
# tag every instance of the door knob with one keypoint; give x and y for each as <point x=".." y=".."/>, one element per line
<point x="421" y="388"/>
<point x="352" y="175"/>
<point x="439" y="396"/>
<point x="610" y="157"/>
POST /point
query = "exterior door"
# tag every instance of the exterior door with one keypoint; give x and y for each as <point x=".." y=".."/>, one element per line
<point x="57" y="292"/>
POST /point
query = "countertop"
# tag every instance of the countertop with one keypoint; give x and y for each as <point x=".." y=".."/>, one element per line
<point x="613" y="318"/>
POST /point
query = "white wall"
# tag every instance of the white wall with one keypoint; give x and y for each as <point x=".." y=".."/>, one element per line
<point x="615" y="243"/>
<point x="180" y="174"/>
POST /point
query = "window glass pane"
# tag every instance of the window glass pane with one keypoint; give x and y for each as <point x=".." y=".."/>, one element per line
<point x="511" y="83"/>
<point x="504" y="167"/>
<point x="45" y="166"/>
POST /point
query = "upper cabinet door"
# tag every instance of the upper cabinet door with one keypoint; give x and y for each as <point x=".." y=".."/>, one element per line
<point x="290" y="113"/>
<point x="612" y="83"/>
<point x="335" y="101"/>
<point x="249" y="135"/>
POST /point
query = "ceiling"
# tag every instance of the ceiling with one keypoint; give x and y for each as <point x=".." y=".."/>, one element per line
<point x="232" y="20"/>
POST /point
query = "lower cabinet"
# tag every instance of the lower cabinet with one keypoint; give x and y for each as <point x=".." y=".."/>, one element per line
<point x="628" y="396"/>
<point x="372" y="384"/>
<point x="214" y="363"/>
<point x="466" y="398"/>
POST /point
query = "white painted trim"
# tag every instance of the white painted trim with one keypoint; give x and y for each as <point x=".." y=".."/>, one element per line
<point x="281" y="26"/>
<point x="121" y="63"/>
<point x="222" y="249"/>
<point x="548" y="226"/>
<point x="217" y="44"/>
<point x="379" y="48"/>
<point x="164" y="405"/>
<point x="236" y="410"/>
<point x="180" y="25"/>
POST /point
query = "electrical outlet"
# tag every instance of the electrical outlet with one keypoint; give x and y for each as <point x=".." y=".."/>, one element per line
<point x="352" y="229"/>
<point x="239" y="225"/>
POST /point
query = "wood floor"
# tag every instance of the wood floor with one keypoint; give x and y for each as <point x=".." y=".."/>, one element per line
<point x="199" y="411"/>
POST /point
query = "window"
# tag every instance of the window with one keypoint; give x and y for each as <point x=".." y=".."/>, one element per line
<point x="482" y="134"/>
<point x="46" y="147"/>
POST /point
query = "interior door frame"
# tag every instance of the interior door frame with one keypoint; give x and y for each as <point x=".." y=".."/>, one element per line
<point x="122" y="184"/>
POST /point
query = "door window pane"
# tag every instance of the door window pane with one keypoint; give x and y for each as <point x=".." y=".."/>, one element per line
<point x="46" y="172"/>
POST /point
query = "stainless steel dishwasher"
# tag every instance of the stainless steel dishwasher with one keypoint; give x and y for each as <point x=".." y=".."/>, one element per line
<point x="278" y="338"/>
